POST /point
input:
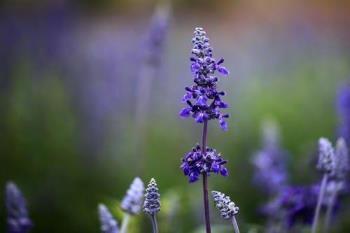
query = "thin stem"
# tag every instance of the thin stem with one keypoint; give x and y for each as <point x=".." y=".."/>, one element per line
<point x="125" y="223"/>
<point x="319" y="203"/>
<point x="154" y="223"/>
<point x="235" y="224"/>
<point x="205" y="180"/>
<point x="330" y="210"/>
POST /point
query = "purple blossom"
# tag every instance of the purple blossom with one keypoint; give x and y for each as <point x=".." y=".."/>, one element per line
<point x="151" y="204"/>
<point x="17" y="214"/>
<point x="343" y="107"/>
<point x="326" y="156"/>
<point x="132" y="201"/>
<point x="203" y="99"/>
<point x="195" y="163"/>
<point x="294" y="204"/>
<point x="270" y="162"/>
<point x="108" y="223"/>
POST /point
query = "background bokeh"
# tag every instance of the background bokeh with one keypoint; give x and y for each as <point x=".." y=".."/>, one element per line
<point x="71" y="135"/>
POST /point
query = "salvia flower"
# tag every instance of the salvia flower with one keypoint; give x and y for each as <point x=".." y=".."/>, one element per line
<point x="132" y="201"/>
<point x="227" y="208"/>
<point x="194" y="163"/>
<point x="18" y="220"/>
<point x="326" y="156"/>
<point x="108" y="223"/>
<point x="343" y="107"/>
<point x="270" y="162"/>
<point x="151" y="204"/>
<point x="204" y="101"/>
<point x="341" y="160"/>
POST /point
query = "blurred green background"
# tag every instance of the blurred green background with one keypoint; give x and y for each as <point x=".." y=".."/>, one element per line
<point x="69" y="135"/>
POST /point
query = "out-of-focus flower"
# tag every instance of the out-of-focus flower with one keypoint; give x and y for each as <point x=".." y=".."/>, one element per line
<point x="270" y="162"/>
<point x="195" y="163"/>
<point x="343" y="107"/>
<point x="341" y="160"/>
<point x="152" y="198"/>
<point x="227" y="208"/>
<point x="326" y="156"/>
<point x="132" y="201"/>
<point x="294" y="204"/>
<point x="18" y="220"/>
<point x="203" y="99"/>
<point x="108" y="223"/>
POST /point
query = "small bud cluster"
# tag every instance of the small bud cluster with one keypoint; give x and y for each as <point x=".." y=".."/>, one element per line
<point x="132" y="201"/>
<point x="326" y="156"/>
<point x="151" y="204"/>
<point x="227" y="208"/>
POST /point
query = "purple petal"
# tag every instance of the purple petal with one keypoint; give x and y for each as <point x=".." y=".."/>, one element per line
<point x="185" y="112"/>
<point x="223" y="70"/>
<point x="223" y="124"/>
<point x="224" y="171"/>
<point x="202" y="101"/>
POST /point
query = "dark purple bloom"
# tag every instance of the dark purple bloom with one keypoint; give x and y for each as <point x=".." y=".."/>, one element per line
<point x="203" y="99"/>
<point x="343" y="107"/>
<point x="294" y="204"/>
<point x="17" y="214"/>
<point x="270" y="162"/>
<point x="195" y="163"/>
<point x="108" y="223"/>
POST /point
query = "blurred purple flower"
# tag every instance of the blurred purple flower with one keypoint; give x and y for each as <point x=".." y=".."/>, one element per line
<point x="108" y="223"/>
<point x="343" y="107"/>
<point x="195" y="163"/>
<point x="270" y="162"/>
<point x="17" y="214"/>
<point x="132" y="201"/>
<point x="203" y="99"/>
<point x="294" y="204"/>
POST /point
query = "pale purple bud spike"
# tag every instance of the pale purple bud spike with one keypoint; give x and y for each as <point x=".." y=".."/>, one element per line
<point x="132" y="201"/>
<point x="152" y="198"/>
<point x="17" y="214"/>
<point x="341" y="160"/>
<point x="326" y="156"/>
<point x="108" y="223"/>
<point x="223" y="203"/>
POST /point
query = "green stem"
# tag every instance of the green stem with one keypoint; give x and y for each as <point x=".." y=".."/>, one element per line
<point x="154" y="223"/>
<point x="125" y="223"/>
<point x="319" y="203"/>
<point x="235" y="224"/>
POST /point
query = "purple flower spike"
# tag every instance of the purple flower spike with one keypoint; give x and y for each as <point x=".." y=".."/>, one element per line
<point x="343" y="107"/>
<point x="194" y="163"/>
<point x="17" y="215"/>
<point x="203" y="99"/>
<point x="108" y="223"/>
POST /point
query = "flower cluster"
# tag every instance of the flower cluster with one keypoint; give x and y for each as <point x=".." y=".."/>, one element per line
<point x="17" y="214"/>
<point x="227" y="208"/>
<point x="108" y="223"/>
<point x="326" y="156"/>
<point x="270" y="165"/>
<point x="341" y="161"/>
<point x="132" y="201"/>
<point x="294" y="204"/>
<point x="152" y="198"/>
<point x="203" y="99"/>
<point x="343" y="107"/>
<point x="195" y="162"/>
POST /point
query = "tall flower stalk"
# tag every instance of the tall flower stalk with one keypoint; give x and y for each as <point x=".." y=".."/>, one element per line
<point x="132" y="202"/>
<point x="204" y="103"/>
<point x="18" y="220"/>
<point x="151" y="204"/>
<point x="325" y="165"/>
<point x="338" y="176"/>
<point x="228" y="209"/>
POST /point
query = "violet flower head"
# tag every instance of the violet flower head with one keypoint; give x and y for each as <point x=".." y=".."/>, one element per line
<point x="108" y="223"/>
<point x="17" y="214"/>
<point x="326" y="156"/>
<point x="151" y="204"/>
<point x="270" y="162"/>
<point x="204" y="101"/>
<point x="223" y="203"/>
<point x="132" y="201"/>
<point x="194" y="163"/>
<point x="294" y="204"/>
<point x="341" y="161"/>
<point x="157" y="35"/>
<point x="343" y="107"/>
